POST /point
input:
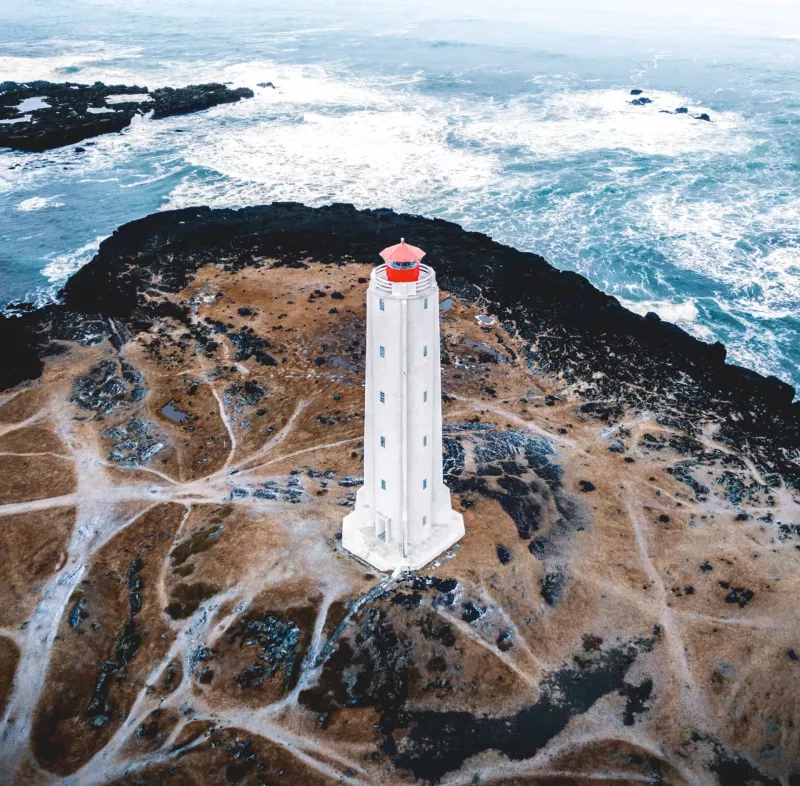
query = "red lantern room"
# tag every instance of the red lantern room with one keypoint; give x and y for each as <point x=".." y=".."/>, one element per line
<point x="402" y="262"/>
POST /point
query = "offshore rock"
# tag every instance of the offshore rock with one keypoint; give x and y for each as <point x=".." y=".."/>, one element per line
<point x="62" y="114"/>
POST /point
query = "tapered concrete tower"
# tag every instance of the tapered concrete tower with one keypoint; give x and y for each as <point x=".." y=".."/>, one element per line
<point x="403" y="516"/>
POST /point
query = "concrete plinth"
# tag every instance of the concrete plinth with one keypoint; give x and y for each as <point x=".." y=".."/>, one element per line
<point x="358" y="537"/>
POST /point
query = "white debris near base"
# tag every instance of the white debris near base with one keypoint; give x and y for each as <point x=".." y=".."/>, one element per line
<point x="485" y="319"/>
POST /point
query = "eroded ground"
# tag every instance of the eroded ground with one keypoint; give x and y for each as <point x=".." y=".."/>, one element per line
<point x="176" y="607"/>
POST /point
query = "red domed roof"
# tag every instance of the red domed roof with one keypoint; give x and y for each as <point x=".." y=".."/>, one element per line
<point x="402" y="252"/>
<point x="402" y="261"/>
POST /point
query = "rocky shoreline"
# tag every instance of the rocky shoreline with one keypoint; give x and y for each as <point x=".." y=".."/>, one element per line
<point x="39" y="115"/>
<point x="614" y="359"/>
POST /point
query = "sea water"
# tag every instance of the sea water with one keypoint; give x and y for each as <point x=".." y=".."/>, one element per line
<point x="510" y="118"/>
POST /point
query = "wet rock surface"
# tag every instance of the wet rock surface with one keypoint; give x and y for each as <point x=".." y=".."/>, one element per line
<point x="46" y="115"/>
<point x="175" y="602"/>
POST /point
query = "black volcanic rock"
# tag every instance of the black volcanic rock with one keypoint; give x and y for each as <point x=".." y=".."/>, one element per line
<point x="75" y="112"/>
<point x="585" y="336"/>
<point x="704" y="116"/>
<point x="641" y="101"/>
<point x="168" y="101"/>
<point x="503" y="554"/>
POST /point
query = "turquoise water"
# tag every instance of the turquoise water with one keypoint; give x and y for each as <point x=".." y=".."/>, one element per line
<point x="513" y="119"/>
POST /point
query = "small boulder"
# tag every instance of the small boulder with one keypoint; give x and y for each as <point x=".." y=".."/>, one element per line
<point x="740" y="595"/>
<point x="505" y="641"/>
<point x="503" y="554"/>
<point x="704" y="116"/>
<point x="550" y="588"/>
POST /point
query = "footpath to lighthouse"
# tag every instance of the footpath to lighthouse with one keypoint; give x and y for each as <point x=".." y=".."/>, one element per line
<point x="403" y="516"/>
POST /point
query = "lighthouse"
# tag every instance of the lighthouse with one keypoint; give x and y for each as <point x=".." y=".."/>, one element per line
<point x="403" y="516"/>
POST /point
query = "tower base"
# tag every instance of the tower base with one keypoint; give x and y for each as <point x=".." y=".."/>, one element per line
<point x="358" y="537"/>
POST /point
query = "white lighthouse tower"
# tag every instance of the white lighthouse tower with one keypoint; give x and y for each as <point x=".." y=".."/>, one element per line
<point x="403" y="516"/>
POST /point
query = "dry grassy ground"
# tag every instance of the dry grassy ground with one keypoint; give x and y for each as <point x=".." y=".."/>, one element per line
<point x="175" y="606"/>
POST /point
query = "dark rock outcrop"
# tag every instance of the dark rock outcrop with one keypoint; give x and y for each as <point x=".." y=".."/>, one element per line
<point x="580" y="333"/>
<point x="69" y="112"/>
<point x="168" y="101"/>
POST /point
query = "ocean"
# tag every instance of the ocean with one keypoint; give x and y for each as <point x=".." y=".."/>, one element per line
<point x="510" y="118"/>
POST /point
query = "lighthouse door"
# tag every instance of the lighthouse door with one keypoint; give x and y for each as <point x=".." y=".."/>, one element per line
<point x="383" y="527"/>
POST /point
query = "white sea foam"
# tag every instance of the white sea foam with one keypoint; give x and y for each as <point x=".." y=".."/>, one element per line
<point x="327" y="136"/>
<point x="722" y="241"/>
<point x="60" y="267"/>
<point x="38" y="203"/>
<point x="13" y="120"/>
<point x="122" y="98"/>
<point x="684" y="313"/>
<point x="326" y="139"/>
<point x="72" y="59"/>
<point x="117" y="154"/>
<point x="32" y="104"/>
<point x="577" y="122"/>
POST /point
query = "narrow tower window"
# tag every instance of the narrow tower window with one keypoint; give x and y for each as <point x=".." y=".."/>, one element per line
<point x="383" y="352"/>
<point x="424" y="521"/>
<point x="383" y="398"/>
<point x="425" y="441"/>
<point x="383" y="442"/>
<point x="381" y="302"/>
<point x="424" y="483"/>
<point x="383" y="485"/>
<point x="426" y="302"/>
<point x="424" y="396"/>
<point x="425" y="351"/>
